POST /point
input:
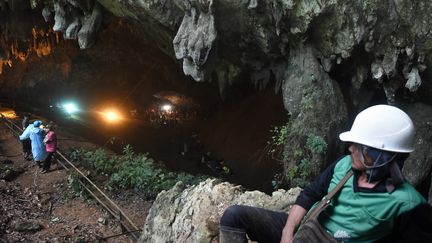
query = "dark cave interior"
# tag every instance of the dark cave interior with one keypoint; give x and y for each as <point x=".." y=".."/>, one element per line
<point x="124" y="71"/>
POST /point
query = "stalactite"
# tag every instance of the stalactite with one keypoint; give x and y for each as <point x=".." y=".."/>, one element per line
<point x="41" y="42"/>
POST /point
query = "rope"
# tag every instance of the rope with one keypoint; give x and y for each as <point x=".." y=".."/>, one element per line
<point x="117" y="235"/>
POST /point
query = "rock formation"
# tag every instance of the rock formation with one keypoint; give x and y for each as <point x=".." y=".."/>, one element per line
<point x="191" y="214"/>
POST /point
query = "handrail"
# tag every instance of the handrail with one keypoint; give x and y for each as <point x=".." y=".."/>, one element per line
<point x="98" y="189"/>
<point x="121" y="215"/>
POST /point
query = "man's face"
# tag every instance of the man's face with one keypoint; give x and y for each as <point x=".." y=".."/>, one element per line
<point x="356" y="158"/>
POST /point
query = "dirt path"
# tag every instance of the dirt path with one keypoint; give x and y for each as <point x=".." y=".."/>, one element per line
<point x="39" y="207"/>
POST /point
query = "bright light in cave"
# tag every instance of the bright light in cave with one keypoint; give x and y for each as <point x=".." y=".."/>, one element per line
<point x="166" y="108"/>
<point x="8" y="113"/>
<point x="112" y="115"/>
<point x="70" y="107"/>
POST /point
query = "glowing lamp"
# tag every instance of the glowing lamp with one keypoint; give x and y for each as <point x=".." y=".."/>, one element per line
<point x="8" y="113"/>
<point x="112" y="116"/>
<point x="70" y="108"/>
<point x="167" y="108"/>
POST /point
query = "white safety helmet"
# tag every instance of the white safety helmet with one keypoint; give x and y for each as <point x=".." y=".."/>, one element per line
<point x="383" y="127"/>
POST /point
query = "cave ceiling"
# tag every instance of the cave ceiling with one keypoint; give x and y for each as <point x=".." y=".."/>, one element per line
<point x="386" y="44"/>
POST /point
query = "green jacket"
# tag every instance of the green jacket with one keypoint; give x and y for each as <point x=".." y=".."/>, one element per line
<point x="364" y="216"/>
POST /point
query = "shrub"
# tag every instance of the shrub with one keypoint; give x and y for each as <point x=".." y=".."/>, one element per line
<point x="276" y="143"/>
<point x="298" y="174"/>
<point x="133" y="171"/>
<point x="75" y="185"/>
<point x="316" y="144"/>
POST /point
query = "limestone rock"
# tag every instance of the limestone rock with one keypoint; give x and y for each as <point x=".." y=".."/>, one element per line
<point x="60" y="17"/>
<point x="414" y="81"/>
<point x="418" y="166"/>
<point x="77" y="20"/>
<point x="90" y="26"/>
<point x="191" y="214"/>
<point x="312" y="98"/>
<point x="195" y="37"/>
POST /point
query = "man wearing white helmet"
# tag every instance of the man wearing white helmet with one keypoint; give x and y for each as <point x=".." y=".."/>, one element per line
<point x="369" y="205"/>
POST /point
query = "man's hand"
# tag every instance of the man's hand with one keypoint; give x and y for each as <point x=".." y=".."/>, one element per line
<point x="295" y="217"/>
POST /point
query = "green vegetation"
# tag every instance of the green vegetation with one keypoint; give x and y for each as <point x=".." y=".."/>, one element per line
<point x="275" y="146"/>
<point x="297" y="174"/>
<point x="75" y="185"/>
<point x="130" y="171"/>
<point x="316" y="144"/>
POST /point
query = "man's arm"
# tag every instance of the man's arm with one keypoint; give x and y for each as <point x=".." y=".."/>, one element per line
<point x="295" y="217"/>
<point x="311" y="194"/>
<point x="317" y="189"/>
<point x="49" y="137"/>
<point x="26" y="134"/>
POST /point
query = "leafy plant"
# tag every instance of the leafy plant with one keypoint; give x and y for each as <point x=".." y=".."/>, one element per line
<point x="299" y="173"/>
<point x="316" y="144"/>
<point x="75" y="185"/>
<point x="275" y="145"/>
<point x="132" y="170"/>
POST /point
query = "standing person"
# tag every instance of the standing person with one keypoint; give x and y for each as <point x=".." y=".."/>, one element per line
<point x="25" y="122"/>
<point x="50" y="141"/>
<point x="36" y="135"/>
<point x="370" y="205"/>
<point x="26" y="143"/>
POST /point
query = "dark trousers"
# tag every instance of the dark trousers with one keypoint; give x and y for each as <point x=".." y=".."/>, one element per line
<point x="47" y="162"/>
<point x="259" y="224"/>
<point x="26" y="147"/>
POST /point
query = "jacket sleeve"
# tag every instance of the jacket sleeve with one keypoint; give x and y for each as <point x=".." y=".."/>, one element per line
<point x="317" y="189"/>
<point x="26" y="134"/>
<point x="49" y="137"/>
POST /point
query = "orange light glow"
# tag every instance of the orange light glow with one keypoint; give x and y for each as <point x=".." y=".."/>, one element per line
<point x="112" y="116"/>
<point x="8" y="113"/>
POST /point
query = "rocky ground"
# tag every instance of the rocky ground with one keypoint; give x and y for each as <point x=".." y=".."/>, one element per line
<point x="37" y="207"/>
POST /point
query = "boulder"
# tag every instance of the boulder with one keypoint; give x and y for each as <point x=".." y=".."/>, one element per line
<point x="191" y="214"/>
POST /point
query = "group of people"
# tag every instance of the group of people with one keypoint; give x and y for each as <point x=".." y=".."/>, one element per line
<point x="372" y="201"/>
<point x="41" y="140"/>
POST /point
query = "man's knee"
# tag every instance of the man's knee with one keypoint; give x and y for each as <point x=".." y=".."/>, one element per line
<point x="232" y="216"/>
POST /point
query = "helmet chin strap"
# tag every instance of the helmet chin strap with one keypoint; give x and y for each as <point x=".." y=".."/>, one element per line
<point x="369" y="172"/>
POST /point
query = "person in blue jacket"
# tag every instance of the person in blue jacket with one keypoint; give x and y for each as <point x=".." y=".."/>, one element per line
<point x="36" y="136"/>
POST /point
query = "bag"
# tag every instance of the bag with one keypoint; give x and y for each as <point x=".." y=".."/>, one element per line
<point x="312" y="232"/>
